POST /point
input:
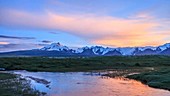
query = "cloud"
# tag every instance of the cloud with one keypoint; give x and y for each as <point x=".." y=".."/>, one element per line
<point x="104" y="30"/>
<point x="144" y="40"/>
<point x="14" y="47"/>
<point x="46" y="41"/>
<point x="13" y="43"/>
<point x="52" y="32"/>
<point x="14" y="37"/>
<point x="2" y="43"/>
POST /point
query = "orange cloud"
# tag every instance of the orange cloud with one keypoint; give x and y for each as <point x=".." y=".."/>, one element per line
<point x="2" y="43"/>
<point x="105" y="30"/>
<point x="131" y="41"/>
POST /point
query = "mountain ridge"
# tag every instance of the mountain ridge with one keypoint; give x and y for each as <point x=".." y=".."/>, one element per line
<point x="57" y="49"/>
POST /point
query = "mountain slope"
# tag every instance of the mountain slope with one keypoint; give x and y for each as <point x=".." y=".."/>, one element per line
<point x="58" y="50"/>
<point x="55" y="47"/>
<point x="165" y="52"/>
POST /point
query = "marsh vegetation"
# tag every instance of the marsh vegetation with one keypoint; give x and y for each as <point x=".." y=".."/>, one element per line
<point x="153" y="70"/>
<point x="14" y="85"/>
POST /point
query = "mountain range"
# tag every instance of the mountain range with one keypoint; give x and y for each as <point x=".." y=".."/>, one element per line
<point x="59" y="50"/>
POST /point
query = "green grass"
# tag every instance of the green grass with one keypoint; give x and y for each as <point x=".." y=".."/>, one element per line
<point x="159" y="78"/>
<point x="81" y="64"/>
<point x="4" y="76"/>
<point x="13" y="85"/>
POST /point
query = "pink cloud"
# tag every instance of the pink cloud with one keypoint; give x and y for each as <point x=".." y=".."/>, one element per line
<point x="2" y="43"/>
<point x="104" y="30"/>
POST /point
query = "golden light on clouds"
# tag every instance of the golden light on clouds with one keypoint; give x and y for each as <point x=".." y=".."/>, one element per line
<point x="104" y="30"/>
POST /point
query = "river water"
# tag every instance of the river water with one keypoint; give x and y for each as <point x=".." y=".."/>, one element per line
<point x="88" y="84"/>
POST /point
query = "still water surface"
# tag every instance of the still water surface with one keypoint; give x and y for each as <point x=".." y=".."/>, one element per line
<point x="87" y="84"/>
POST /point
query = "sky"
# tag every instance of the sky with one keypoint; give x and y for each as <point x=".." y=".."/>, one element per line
<point x="31" y="24"/>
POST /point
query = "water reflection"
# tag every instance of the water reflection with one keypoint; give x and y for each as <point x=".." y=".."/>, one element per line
<point x="90" y="84"/>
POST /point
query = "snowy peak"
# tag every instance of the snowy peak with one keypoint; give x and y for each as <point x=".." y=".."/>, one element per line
<point x="100" y="50"/>
<point x="126" y="50"/>
<point x="59" y="50"/>
<point x="55" y="47"/>
<point x="58" y="44"/>
<point x="80" y="50"/>
<point x="165" y="46"/>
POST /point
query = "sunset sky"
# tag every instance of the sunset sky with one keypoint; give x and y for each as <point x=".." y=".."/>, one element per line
<point x="29" y="24"/>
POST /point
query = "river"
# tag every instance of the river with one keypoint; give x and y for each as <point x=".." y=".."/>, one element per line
<point x="87" y="84"/>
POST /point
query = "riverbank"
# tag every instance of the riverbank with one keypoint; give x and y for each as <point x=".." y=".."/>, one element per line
<point x="89" y="84"/>
<point x="151" y="68"/>
<point x="157" y="79"/>
<point x="13" y="85"/>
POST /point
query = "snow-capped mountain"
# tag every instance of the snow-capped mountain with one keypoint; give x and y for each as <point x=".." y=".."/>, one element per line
<point x="126" y="50"/>
<point x="164" y="47"/>
<point x="100" y="50"/>
<point x="57" y="49"/>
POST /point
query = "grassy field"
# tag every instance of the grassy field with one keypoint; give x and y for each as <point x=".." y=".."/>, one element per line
<point x="13" y="85"/>
<point x="158" y="78"/>
<point x="82" y="64"/>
